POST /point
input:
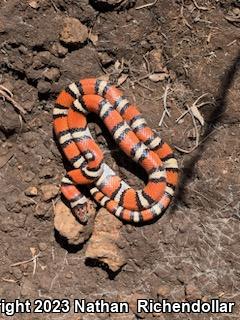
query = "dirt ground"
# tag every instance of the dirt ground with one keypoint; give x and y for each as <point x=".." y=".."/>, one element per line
<point x="162" y="54"/>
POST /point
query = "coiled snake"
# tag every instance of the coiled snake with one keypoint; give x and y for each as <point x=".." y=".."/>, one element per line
<point x="133" y="136"/>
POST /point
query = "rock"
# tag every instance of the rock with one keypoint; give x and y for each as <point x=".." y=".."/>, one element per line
<point x="236" y="11"/>
<point x="22" y="49"/>
<point x="42" y="210"/>
<point x="68" y="226"/>
<point x="30" y="96"/>
<point x="58" y="50"/>
<point x="105" y="59"/>
<point x="17" y="273"/>
<point x="43" y="87"/>
<point x="103" y="243"/>
<point x="156" y="60"/>
<point x="160" y="76"/>
<point x="42" y="246"/>
<point x="33" y="74"/>
<point x="9" y="120"/>
<point x="23" y="201"/>
<point x="46" y="172"/>
<point x="41" y="59"/>
<point x="49" y="191"/>
<point x="74" y="32"/>
<point x="52" y="74"/>
<point x="31" y="192"/>
<point x="34" y="4"/>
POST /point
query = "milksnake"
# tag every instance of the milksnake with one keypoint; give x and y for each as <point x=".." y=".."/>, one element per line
<point x="132" y="135"/>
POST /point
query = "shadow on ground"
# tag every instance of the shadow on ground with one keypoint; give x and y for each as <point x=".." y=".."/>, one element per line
<point x="215" y="117"/>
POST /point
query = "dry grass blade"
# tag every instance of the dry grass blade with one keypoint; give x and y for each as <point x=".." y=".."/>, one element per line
<point x="147" y="5"/>
<point x="25" y="261"/>
<point x="9" y="280"/>
<point x="164" y="105"/>
<point x="8" y="96"/>
<point x="199" y="7"/>
<point x="196" y="146"/>
<point x="232" y="18"/>
<point x="195" y="127"/>
<point x="122" y="79"/>
<point x="5" y="158"/>
<point x="193" y="108"/>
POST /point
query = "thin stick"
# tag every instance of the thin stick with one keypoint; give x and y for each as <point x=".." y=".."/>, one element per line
<point x="142" y="85"/>
<point x="26" y="261"/>
<point x="54" y="6"/>
<point x="199" y="7"/>
<point x="195" y="127"/>
<point x="9" y="280"/>
<point x="10" y="99"/>
<point x="195" y="103"/>
<point x="147" y="5"/>
<point x="165" y="99"/>
<point x="7" y="90"/>
<point x="195" y="147"/>
<point x="162" y="118"/>
<point x="165" y="106"/>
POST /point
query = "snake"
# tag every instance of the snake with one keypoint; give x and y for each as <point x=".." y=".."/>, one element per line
<point x="132" y="135"/>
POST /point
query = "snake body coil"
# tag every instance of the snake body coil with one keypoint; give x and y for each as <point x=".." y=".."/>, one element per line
<point x="134" y="137"/>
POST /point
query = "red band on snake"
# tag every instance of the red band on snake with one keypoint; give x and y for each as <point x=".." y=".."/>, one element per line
<point x="130" y="131"/>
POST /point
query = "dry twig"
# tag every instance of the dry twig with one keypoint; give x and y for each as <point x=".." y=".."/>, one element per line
<point x="33" y="259"/>
<point x="199" y="7"/>
<point x="195" y="104"/>
<point x="7" y="94"/>
<point x="165" y="111"/>
<point x="196" y="146"/>
<point x="147" y="5"/>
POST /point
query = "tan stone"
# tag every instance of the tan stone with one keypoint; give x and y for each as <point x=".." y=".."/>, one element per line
<point x="49" y="191"/>
<point x="74" y="32"/>
<point x="103" y="243"/>
<point x="31" y="191"/>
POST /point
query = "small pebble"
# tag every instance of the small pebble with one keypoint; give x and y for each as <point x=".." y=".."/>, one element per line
<point x="43" y="87"/>
<point x="49" y="191"/>
<point x="236" y="11"/>
<point x="31" y="191"/>
<point x="105" y="59"/>
<point x="74" y="32"/>
<point x="52" y="74"/>
<point x="41" y="59"/>
<point x="42" y="210"/>
<point x="17" y="273"/>
<point x="58" y="50"/>
<point x="46" y="172"/>
<point x="42" y="246"/>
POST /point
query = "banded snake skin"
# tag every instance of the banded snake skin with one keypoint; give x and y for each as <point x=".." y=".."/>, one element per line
<point x="131" y="133"/>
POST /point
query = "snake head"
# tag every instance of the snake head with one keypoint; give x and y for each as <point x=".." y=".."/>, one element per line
<point x="81" y="214"/>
